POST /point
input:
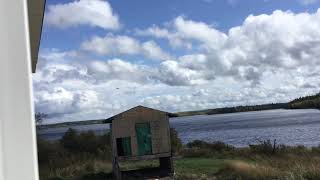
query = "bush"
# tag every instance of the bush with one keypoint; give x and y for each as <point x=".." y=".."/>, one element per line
<point x="200" y="148"/>
<point x="267" y="147"/>
<point x="197" y="152"/>
<point x="214" y="146"/>
<point x="315" y="150"/>
<point x="86" y="142"/>
<point x="70" y="140"/>
<point x="73" y="155"/>
<point x="48" y="151"/>
<point x="312" y="175"/>
<point x="176" y="144"/>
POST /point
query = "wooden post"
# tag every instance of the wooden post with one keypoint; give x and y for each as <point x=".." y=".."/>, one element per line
<point x="166" y="164"/>
<point x="115" y="164"/>
<point x="171" y="166"/>
<point x="116" y="169"/>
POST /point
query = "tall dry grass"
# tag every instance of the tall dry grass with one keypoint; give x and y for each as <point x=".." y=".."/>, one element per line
<point x="289" y="166"/>
<point x="77" y="170"/>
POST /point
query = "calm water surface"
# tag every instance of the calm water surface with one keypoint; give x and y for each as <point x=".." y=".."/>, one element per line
<point x="291" y="127"/>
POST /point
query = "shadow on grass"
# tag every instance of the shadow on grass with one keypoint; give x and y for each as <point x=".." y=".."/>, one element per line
<point x="98" y="176"/>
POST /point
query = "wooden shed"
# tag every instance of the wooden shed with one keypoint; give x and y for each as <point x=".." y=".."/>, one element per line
<point x="141" y="133"/>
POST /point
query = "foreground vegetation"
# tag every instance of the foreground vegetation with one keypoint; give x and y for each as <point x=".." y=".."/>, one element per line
<point x="85" y="156"/>
<point x="266" y="160"/>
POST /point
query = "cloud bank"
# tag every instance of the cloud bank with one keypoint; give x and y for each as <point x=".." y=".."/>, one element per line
<point x="268" y="58"/>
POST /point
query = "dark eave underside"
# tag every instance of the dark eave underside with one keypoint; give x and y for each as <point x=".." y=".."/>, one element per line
<point x="35" y="13"/>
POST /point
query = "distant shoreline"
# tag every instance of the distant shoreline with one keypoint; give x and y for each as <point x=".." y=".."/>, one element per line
<point x="178" y="114"/>
<point x="307" y="102"/>
<point x="73" y="123"/>
<point x="101" y="121"/>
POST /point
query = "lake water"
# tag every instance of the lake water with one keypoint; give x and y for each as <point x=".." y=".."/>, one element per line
<point x="291" y="127"/>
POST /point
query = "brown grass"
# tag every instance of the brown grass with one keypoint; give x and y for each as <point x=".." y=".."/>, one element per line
<point x="76" y="170"/>
<point x="273" y="167"/>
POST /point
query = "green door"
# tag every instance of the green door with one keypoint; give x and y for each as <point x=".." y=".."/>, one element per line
<point x="144" y="139"/>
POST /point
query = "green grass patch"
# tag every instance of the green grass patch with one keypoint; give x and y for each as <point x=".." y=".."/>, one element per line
<point x="198" y="165"/>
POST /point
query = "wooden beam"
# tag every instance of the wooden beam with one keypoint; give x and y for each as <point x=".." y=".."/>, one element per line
<point x="146" y="157"/>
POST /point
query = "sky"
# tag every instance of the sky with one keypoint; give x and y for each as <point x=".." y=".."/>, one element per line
<point x="98" y="58"/>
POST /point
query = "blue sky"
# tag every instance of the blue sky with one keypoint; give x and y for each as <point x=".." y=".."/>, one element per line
<point x="222" y="14"/>
<point x="98" y="58"/>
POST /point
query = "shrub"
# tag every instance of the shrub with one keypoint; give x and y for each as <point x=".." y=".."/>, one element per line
<point x="73" y="155"/>
<point x="197" y="152"/>
<point x="86" y="142"/>
<point x="214" y="146"/>
<point x="267" y="147"/>
<point x="48" y="151"/>
<point x="312" y="175"/>
<point x="70" y="140"/>
<point x="199" y="148"/>
<point x="316" y="150"/>
<point x="176" y="144"/>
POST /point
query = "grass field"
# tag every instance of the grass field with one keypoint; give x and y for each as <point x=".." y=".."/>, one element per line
<point x="189" y="168"/>
<point x="198" y="165"/>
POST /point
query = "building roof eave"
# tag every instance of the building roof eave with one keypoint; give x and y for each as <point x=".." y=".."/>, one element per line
<point x="35" y="17"/>
<point x="109" y="120"/>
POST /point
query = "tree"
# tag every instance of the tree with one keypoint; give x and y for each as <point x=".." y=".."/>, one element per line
<point x="40" y="117"/>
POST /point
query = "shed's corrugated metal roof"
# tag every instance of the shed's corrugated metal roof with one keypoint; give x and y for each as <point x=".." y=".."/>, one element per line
<point x="109" y="120"/>
<point x="35" y="13"/>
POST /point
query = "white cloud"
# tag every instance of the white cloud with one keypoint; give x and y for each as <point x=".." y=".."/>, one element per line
<point x="183" y="31"/>
<point x="194" y="61"/>
<point x="172" y="73"/>
<point x="282" y="40"/>
<point x="152" y="50"/>
<point x="113" y="45"/>
<point x="174" y="38"/>
<point x="117" y="69"/>
<point x="307" y="2"/>
<point x="276" y="42"/>
<point x="124" y="45"/>
<point x="58" y="101"/>
<point x="95" y="13"/>
<point x="154" y="31"/>
<point x="192" y="30"/>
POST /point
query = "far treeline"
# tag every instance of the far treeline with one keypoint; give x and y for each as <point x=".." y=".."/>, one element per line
<point x="307" y="102"/>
